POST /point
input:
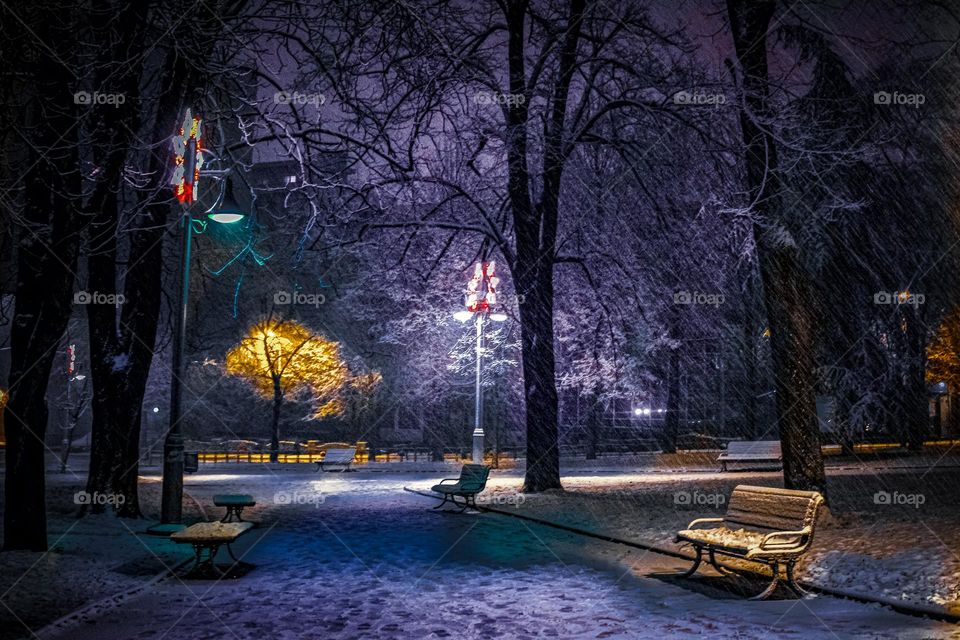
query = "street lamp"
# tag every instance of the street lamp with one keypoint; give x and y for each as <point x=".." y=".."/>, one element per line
<point x="188" y="161"/>
<point x="480" y="301"/>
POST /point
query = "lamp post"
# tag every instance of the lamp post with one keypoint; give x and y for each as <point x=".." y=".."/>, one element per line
<point x="188" y="161"/>
<point x="480" y="302"/>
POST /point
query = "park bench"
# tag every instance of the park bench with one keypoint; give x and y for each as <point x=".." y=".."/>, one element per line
<point x="472" y="480"/>
<point x="235" y="504"/>
<point x="209" y="537"/>
<point x="762" y="524"/>
<point x="337" y="457"/>
<point x="750" y="451"/>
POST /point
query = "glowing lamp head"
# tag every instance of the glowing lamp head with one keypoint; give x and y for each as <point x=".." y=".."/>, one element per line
<point x="463" y="316"/>
<point x="225" y="217"/>
<point x="228" y="211"/>
<point x="498" y="317"/>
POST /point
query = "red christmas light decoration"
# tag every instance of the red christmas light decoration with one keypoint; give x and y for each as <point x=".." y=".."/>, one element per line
<point x="482" y="287"/>
<point x="187" y="159"/>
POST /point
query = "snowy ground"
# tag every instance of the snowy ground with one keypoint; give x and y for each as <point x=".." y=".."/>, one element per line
<point x="352" y="556"/>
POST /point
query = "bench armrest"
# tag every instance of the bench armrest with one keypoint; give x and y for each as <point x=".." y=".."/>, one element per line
<point x="703" y="521"/>
<point x="454" y="480"/>
<point x="792" y="539"/>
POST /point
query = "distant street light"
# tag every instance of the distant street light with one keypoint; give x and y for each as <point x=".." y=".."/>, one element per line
<point x="188" y="161"/>
<point x="480" y="302"/>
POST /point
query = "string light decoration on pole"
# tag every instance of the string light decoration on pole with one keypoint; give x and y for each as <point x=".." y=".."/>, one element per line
<point x="481" y="301"/>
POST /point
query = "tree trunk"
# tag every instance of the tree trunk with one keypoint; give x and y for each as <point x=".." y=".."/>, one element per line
<point x="46" y="262"/>
<point x="594" y="418"/>
<point x="540" y="386"/>
<point x="128" y="338"/>
<point x="787" y="294"/>
<point x="275" y="430"/>
<point x="753" y="428"/>
<point x="672" y="419"/>
<point x="535" y="230"/>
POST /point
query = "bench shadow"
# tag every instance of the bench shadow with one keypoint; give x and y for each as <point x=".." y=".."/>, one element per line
<point x="231" y="571"/>
<point x="738" y="586"/>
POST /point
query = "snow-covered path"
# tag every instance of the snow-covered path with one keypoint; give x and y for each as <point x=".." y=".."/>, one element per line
<point x="354" y="556"/>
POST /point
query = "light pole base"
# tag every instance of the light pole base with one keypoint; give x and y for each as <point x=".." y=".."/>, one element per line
<point x="478" y="446"/>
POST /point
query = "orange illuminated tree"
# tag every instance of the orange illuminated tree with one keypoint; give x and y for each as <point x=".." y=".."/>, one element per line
<point x="943" y="353"/>
<point x="281" y="357"/>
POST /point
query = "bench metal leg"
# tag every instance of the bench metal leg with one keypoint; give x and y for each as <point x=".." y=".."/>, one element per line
<point x="445" y="497"/>
<point x="716" y="565"/>
<point x="230" y="551"/>
<point x="209" y="565"/>
<point x="696" y="563"/>
<point x="233" y="512"/>
<point x="463" y="507"/>
<point x="792" y="583"/>
<point x="766" y="593"/>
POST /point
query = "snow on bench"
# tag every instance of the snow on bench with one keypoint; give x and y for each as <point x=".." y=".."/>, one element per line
<point x="210" y="536"/>
<point x="337" y="457"/>
<point x="762" y="524"/>
<point x="750" y="451"/>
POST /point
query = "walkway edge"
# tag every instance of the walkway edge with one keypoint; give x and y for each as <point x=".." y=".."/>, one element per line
<point x="897" y="605"/>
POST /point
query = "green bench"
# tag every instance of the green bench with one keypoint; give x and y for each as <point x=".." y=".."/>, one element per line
<point x="209" y="537"/>
<point x="472" y="480"/>
<point x="235" y="504"/>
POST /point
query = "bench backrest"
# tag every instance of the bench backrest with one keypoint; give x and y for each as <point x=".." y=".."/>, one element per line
<point x="755" y="447"/>
<point x="772" y="509"/>
<point x="339" y="455"/>
<point x="473" y="477"/>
